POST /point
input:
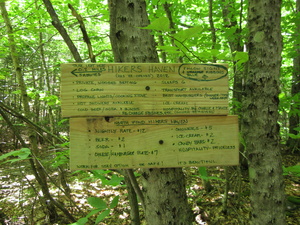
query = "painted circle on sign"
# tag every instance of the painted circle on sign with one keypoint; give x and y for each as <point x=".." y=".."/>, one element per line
<point x="203" y="72"/>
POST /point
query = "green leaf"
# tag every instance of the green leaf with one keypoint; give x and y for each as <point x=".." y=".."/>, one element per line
<point x="204" y="55"/>
<point x="294" y="199"/>
<point x="81" y="221"/>
<point x="6" y="155"/>
<point x="102" y="216"/>
<point x="93" y="212"/>
<point x="292" y="169"/>
<point x="203" y="174"/>
<point x="114" y="202"/>
<point x="214" y="52"/>
<point x="16" y="92"/>
<point x="23" y="153"/>
<point x="160" y="24"/>
<point x="97" y="203"/>
<point x="51" y="100"/>
<point x="188" y="33"/>
<point x="169" y="49"/>
<point x="241" y="57"/>
<point x="62" y="121"/>
<point x="294" y="136"/>
<point x="60" y="159"/>
<point x="115" y="180"/>
<point x="297" y="129"/>
<point x="202" y="171"/>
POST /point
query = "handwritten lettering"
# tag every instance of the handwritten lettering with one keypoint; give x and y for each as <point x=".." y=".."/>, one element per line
<point x="119" y="154"/>
<point x="97" y="89"/>
<point x="101" y="139"/>
<point x="169" y="82"/>
<point x="130" y="113"/>
<point x="194" y="149"/>
<point x="123" y="102"/>
<point x="84" y="82"/>
<point x="123" y="69"/>
<point x="86" y="96"/>
<point x="105" y="131"/>
<point x="160" y="69"/>
<point x="101" y="154"/>
<point x="121" y="165"/>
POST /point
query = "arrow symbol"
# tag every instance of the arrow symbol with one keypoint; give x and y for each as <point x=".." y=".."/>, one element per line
<point x="76" y="72"/>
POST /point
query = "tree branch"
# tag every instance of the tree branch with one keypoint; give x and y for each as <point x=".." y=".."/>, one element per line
<point x="58" y="25"/>
<point x="84" y="33"/>
<point x="135" y="186"/>
<point x="39" y="129"/>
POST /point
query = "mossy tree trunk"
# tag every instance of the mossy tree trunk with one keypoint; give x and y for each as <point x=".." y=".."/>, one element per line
<point x="163" y="189"/>
<point x="260" y="113"/>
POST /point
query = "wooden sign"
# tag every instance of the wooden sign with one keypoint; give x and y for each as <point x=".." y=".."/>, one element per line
<point x="136" y="89"/>
<point x="131" y="142"/>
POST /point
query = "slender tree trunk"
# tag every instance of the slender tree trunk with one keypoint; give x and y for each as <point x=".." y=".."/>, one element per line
<point x="37" y="168"/>
<point x="132" y="198"/>
<point x="234" y="41"/>
<point x="25" y="102"/>
<point x="212" y="28"/>
<point x="164" y="189"/>
<point x="260" y="113"/>
<point x="63" y="32"/>
<point x="167" y="8"/>
<point x="294" y="120"/>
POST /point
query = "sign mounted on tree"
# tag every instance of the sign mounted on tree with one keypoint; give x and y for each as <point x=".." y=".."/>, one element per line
<point x="144" y="89"/>
<point x="127" y="115"/>
<point x="130" y="142"/>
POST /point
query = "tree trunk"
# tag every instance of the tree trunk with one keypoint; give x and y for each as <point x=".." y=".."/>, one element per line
<point x="294" y="120"/>
<point x="164" y="189"/>
<point x="260" y="107"/>
<point x="235" y="44"/>
<point x="63" y="32"/>
<point x="36" y="167"/>
<point x="53" y="216"/>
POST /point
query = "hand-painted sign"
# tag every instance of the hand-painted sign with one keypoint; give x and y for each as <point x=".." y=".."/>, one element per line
<point x="122" y="89"/>
<point x="131" y="142"/>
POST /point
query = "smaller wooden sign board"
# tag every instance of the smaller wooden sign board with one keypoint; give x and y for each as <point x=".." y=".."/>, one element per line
<point x="143" y="89"/>
<point x="153" y="142"/>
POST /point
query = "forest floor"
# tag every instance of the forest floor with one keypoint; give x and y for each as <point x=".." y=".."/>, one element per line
<point x="20" y="203"/>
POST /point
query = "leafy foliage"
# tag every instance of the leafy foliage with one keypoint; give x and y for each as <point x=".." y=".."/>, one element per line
<point x="292" y="170"/>
<point x="22" y="154"/>
<point x="99" y="205"/>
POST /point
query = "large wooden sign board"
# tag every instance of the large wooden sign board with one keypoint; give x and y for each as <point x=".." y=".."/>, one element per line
<point x="143" y="89"/>
<point x="148" y="115"/>
<point x="131" y="142"/>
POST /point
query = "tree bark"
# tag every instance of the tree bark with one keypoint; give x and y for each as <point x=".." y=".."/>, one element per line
<point x="133" y="202"/>
<point x="212" y="28"/>
<point x="63" y="32"/>
<point x="235" y="44"/>
<point x="163" y="189"/>
<point x="86" y="38"/>
<point x="260" y="113"/>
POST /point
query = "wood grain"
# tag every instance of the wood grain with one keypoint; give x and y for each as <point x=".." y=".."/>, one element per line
<point x="152" y="142"/>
